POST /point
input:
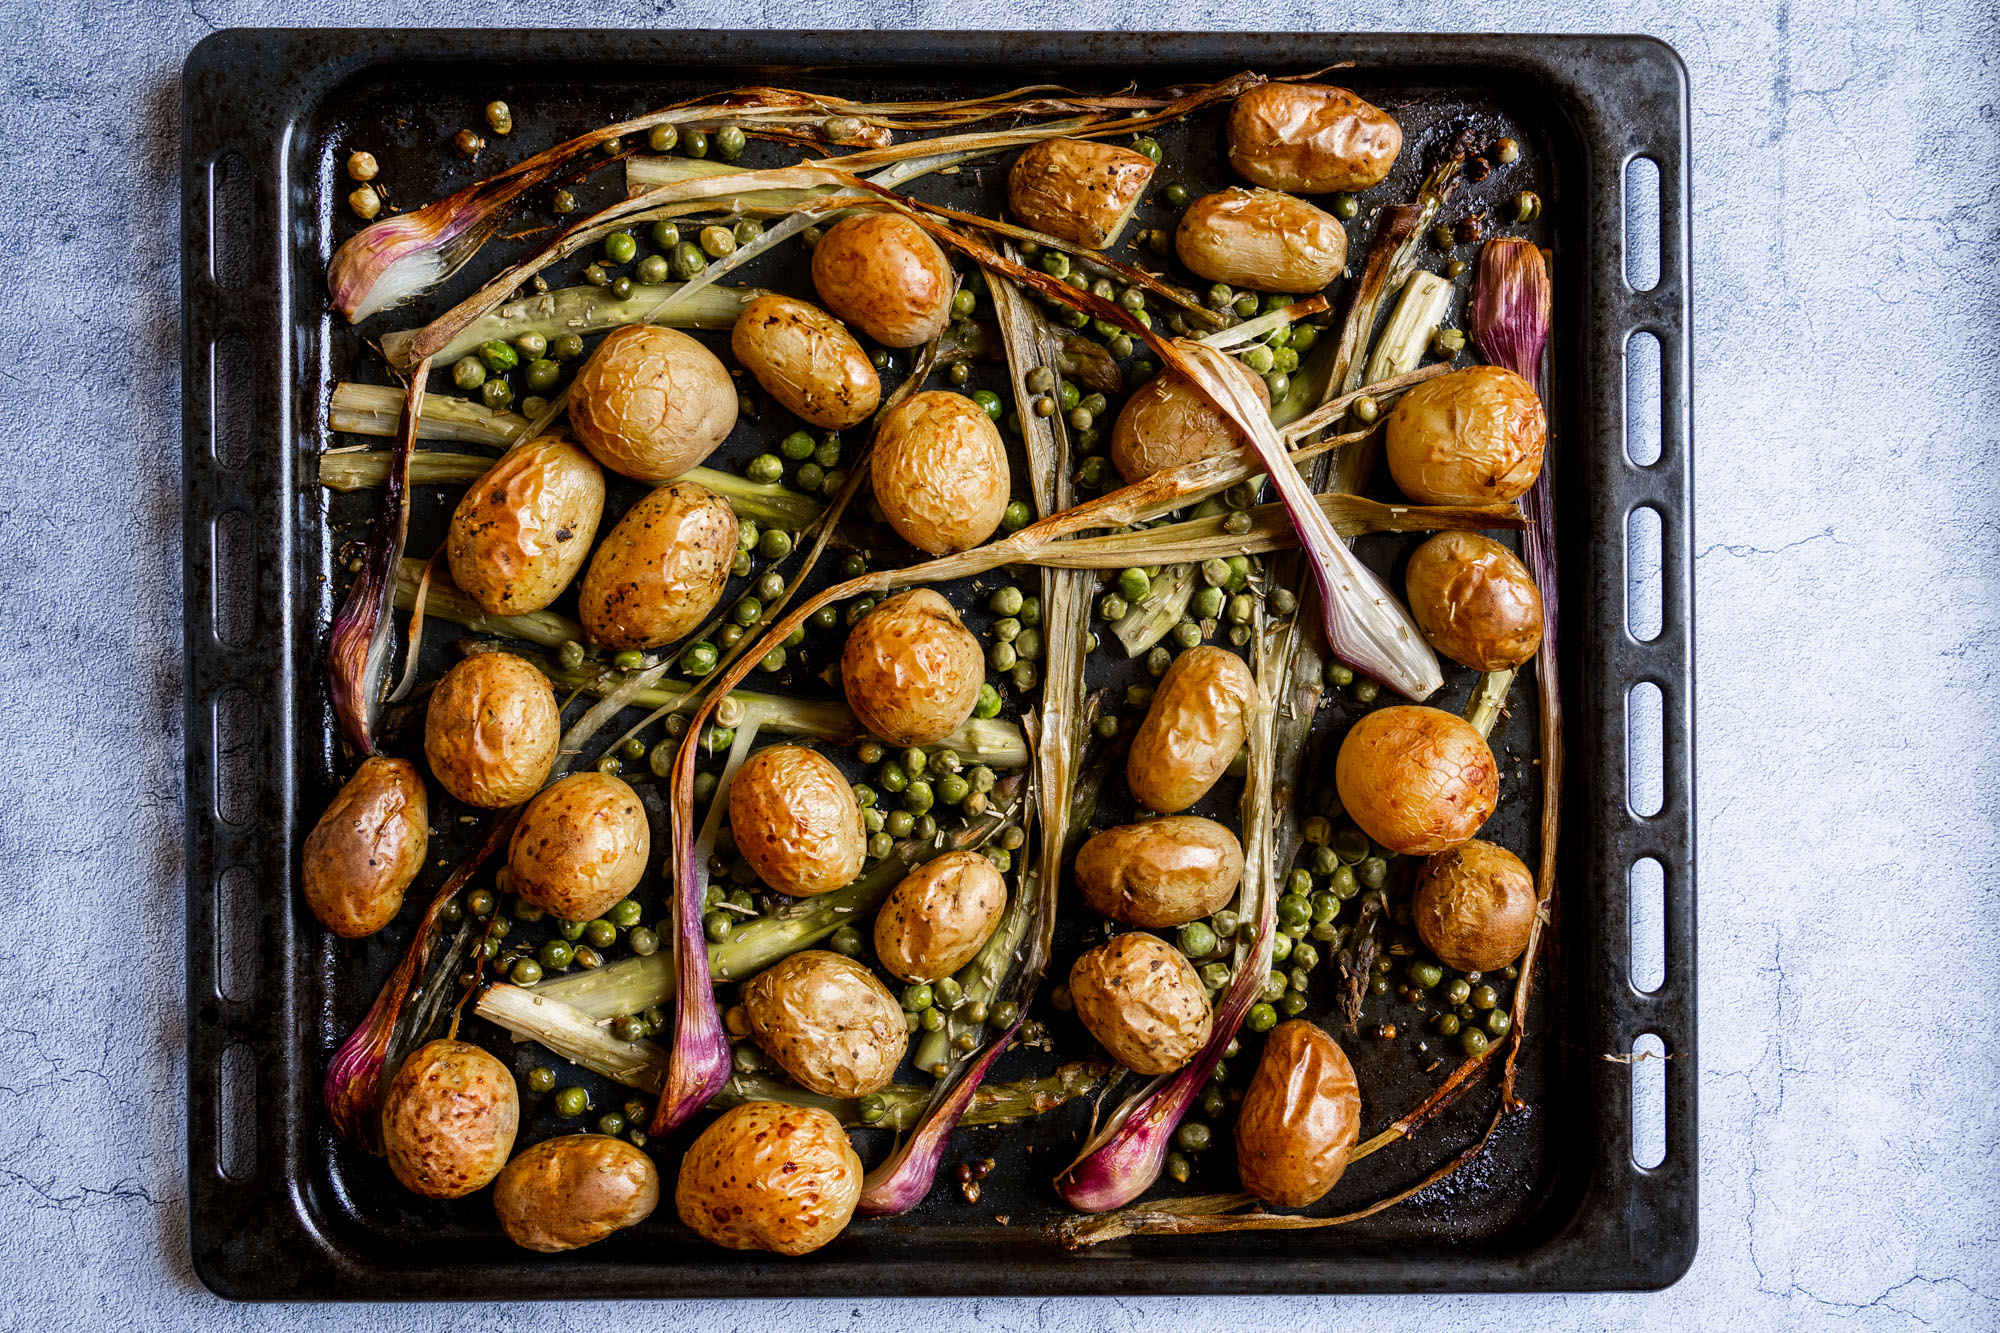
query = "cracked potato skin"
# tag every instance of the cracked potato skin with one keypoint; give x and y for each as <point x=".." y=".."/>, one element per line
<point x="1140" y="998"/>
<point x="651" y="402"/>
<point x="1162" y="872"/>
<point x="1193" y="729"/>
<point x="1077" y="190"/>
<point x="1474" y="906"/>
<point x="1300" y="1118"/>
<point x="940" y="472"/>
<point x="492" y="730"/>
<point x="521" y="532"/>
<point x="1261" y="239"/>
<point x="829" y="1023"/>
<point x="568" y="1192"/>
<point x="1475" y="601"/>
<point x="1417" y="780"/>
<point x="448" y="1119"/>
<point x="661" y="570"/>
<point x="881" y="273"/>
<point x="367" y="848"/>
<point x="766" y="1176"/>
<point x="911" y="670"/>
<point x="1311" y="138"/>
<point x="580" y="846"/>
<point x="1166" y="422"/>
<point x="1475" y="436"/>
<point x="807" y="360"/>
<point x="795" y="820"/>
<point x="939" y="916"/>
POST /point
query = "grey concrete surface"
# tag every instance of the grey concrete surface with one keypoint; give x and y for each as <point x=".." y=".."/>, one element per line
<point x="1846" y="291"/>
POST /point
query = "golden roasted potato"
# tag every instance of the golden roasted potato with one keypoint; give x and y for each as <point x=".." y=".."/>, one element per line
<point x="1415" y="779"/>
<point x="366" y="849"/>
<point x="1475" y="601"/>
<point x="448" y="1119"/>
<point x="1263" y="240"/>
<point x="1078" y="190"/>
<point x="1166" y="422"/>
<point x="522" y="531"/>
<point x="1193" y="728"/>
<point x="807" y="360"/>
<point x="1475" y="906"/>
<point x="1471" y="437"/>
<point x="1162" y="872"/>
<point x="492" y="730"/>
<point x="1300" y="1118"/>
<point x="828" y="1022"/>
<point x="911" y="670"/>
<point x="1141" y="999"/>
<point x="940" y="472"/>
<point x="939" y="916"/>
<point x="660" y="572"/>
<point x="795" y="820"/>
<point x="651" y="402"/>
<point x="1310" y="138"/>
<point x="767" y="1176"/>
<point x="881" y="273"/>
<point x="565" y="1193"/>
<point x="581" y="846"/>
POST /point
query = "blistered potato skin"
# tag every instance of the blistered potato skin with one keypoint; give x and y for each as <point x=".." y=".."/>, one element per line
<point x="1077" y="190"/>
<point x="911" y="670"/>
<point x="796" y="821"/>
<point x="1474" y="436"/>
<point x="1415" y="779"/>
<point x="492" y="731"/>
<point x="522" y="531"/>
<point x="1141" y="999"/>
<point x="568" y="1192"/>
<point x="767" y="1176"/>
<point x="807" y="360"/>
<point x="1310" y="138"/>
<point x="581" y="845"/>
<point x="1262" y="240"/>
<point x="659" y="573"/>
<point x="939" y="916"/>
<point x="1475" y="906"/>
<point x="1475" y="601"/>
<point x="1300" y="1117"/>
<point x="940" y="472"/>
<point x="1166" y="422"/>
<point x="448" y="1119"/>
<point x="828" y="1022"/>
<point x="883" y="275"/>
<point x="1162" y="872"/>
<point x="367" y="848"/>
<point x="1193" y="728"/>
<point x="651" y="402"/>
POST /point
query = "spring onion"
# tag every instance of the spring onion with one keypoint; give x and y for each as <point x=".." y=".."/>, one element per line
<point x="586" y="310"/>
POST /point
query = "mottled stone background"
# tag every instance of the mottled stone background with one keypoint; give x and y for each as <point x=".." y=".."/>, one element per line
<point x="1846" y="307"/>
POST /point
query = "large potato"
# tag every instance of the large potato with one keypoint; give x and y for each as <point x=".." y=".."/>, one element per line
<point x="911" y="670"/>
<point x="367" y="848"/>
<point x="1261" y="239"/>
<point x="1193" y="728"/>
<point x="767" y="1176"/>
<point x="1417" y="780"/>
<point x="807" y="360"/>
<point x="1474" y="601"/>
<point x="1141" y="999"/>
<point x="1078" y="190"/>
<point x="580" y="847"/>
<point x="448" y="1119"/>
<point x="661" y="570"/>
<point x="939" y="916"/>
<point x="1163" y="872"/>
<point x="883" y="275"/>
<point x="522" y="531"/>
<point x="1300" y="1117"/>
<point x="568" y="1192"/>
<point x="1475" y="906"/>
<point x="1311" y="138"/>
<point x="492" y="731"/>
<point x="1474" y="436"/>
<point x="795" y="820"/>
<point x="1166" y="422"/>
<point x="940" y="472"/>
<point x="651" y="402"/>
<point x="828" y="1022"/>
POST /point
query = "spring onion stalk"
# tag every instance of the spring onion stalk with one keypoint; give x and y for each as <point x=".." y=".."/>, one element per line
<point x="448" y="603"/>
<point x="1254" y="330"/>
<point x="587" y="310"/>
<point x="644" y="173"/>
<point x="1407" y="335"/>
<point x="1150" y="621"/>
<point x="1297" y="428"/>
<point x="1199" y="539"/>
<point x="366" y="469"/>
<point x="375" y="409"/>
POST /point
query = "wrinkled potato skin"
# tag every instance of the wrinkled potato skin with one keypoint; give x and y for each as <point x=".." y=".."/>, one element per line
<point x="522" y="531"/>
<point x="1475" y="601"/>
<point x="568" y="1192"/>
<point x="940" y="472"/>
<point x="448" y="1119"/>
<point x="660" y="572"/>
<point x="651" y="402"/>
<point x="795" y="820"/>
<point x="1262" y="240"/>
<point x="911" y="670"/>
<point x="492" y="731"/>
<point x="1474" y="436"/>
<point x="1300" y="1118"/>
<point x="766" y="1176"/>
<point x="1415" y="779"/>
<point x="581" y="845"/>
<point x="367" y="848"/>
<point x="1163" y="872"/>
<point x="1310" y="138"/>
<point x="1166" y="422"/>
<point x="1193" y="728"/>
<point x="1474" y="906"/>
<point x="1077" y="190"/>
<point x="939" y="916"/>
<point x="1141" y="999"/>
<point x="828" y="1022"/>
<point x="883" y="275"/>
<point x="807" y="360"/>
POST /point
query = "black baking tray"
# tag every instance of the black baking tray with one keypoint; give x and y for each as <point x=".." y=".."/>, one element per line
<point x="278" y="1210"/>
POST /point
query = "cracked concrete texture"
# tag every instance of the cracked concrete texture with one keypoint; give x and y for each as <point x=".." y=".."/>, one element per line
<point x="1845" y="293"/>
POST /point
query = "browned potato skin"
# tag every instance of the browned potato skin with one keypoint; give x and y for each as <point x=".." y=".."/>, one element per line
<point x="1194" y="727"/>
<point x="796" y="821"/>
<point x="522" y="531"/>
<point x="1474" y="436"/>
<point x="651" y="402"/>
<point x="883" y="275"/>
<point x="1415" y="779"/>
<point x="367" y="848"/>
<point x="940" y="472"/>
<point x="1261" y="239"/>
<point x="1474" y="601"/>
<point x="911" y="670"/>
<point x="1475" y="906"/>
<point x="766" y="1176"/>
<point x="581" y="846"/>
<point x="568" y="1192"/>
<point x="660" y="572"/>
<point x="939" y="916"/>
<point x="1300" y="1118"/>
<point x="828" y="1022"/>
<point x="492" y="731"/>
<point x="1163" y="872"/>
<point x="1077" y="190"/>
<point x="1141" y="999"/>
<point x="807" y="360"/>
<point x="1166" y="422"/>
<point x="448" y="1119"/>
<point x="1311" y="138"/>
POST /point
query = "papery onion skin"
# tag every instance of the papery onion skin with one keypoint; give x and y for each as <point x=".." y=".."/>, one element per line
<point x="1509" y="313"/>
<point x="1311" y="138"/>
<point x="1474" y="906"/>
<point x="1475" y="601"/>
<point x="1471" y="437"/>
<point x="1417" y="780"/>
<point x="1300" y="1117"/>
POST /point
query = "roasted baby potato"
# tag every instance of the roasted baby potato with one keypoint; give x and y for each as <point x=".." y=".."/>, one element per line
<point x="521" y="532"/>
<point x="1417" y="780"/>
<point x="767" y="1176"/>
<point x="1078" y="190"/>
<point x="1474" y="601"/>
<point x="492" y="731"/>
<point x="367" y="848"/>
<point x="661" y="570"/>
<point x="1162" y="872"/>
<point x="1193" y="728"/>
<point x="581" y="846"/>
<point x="568" y="1192"/>
<point x="1141" y="999"/>
<point x="1166" y="422"/>
<point x="939" y="916"/>
<point x="1300" y="1117"/>
<point x="1475" y="906"/>
<point x="1471" y="437"/>
<point x="807" y="360"/>
<point x="1263" y="240"/>
<point x="795" y="820"/>
<point x="651" y="402"/>
<point x="448" y="1119"/>
<point x="1310" y="138"/>
<point x="828" y="1022"/>
<point x="883" y="275"/>
<point x="940" y="472"/>
<point x="911" y="670"/>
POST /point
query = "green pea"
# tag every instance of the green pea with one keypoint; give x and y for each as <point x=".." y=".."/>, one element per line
<point x="665" y="234"/>
<point x="729" y="142"/>
<point x="699" y="658"/>
<point x="652" y="270"/>
<point x="717" y="241"/>
<point x="694" y="143"/>
<point x="526" y="972"/>
<point x="1001" y="656"/>
<point x="1147" y="146"/>
<point x="541" y="1078"/>
<point x="1457" y="991"/>
<point x="687" y="260"/>
<point x="571" y="930"/>
<point x="468" y="373"/>
<point x="899" y="823"/>
<point x="1473" y="1042"/>
<point x="747" y="231"/>
<point x="643" y="941"/>
<point x="1193" y="1136"/>
<point x="556" y="955"/>
<point x="917" y="997"/>
<point x="918" y="797"/>
<point x="480" y="902"/>
<point x="880" y="845"/>
<point x="1214" y="976"/>
<point x="989" y="703"/>
<point x="1484" y="997"/>
<point x="1197" y="939"/>
<point x="809" y="476"/>
<point x="847" y="942"/>
<point x="1113" y="606"/>
<point x="1373" y="872"/>
<point x="1262" y="1017"/>
<point x="981" y="778"/>
<point x="597" y="275"/>
<point x="619" y="247"/>
<point x="1294" y="910"/>
<point x="1281" y="945"/>
<point x="563" y="202"/>
<point x="567" y="347"/>
<point x="1016" y="516"/>
<point x="1304" y="958"/>
<point x="572" y="1102"/>
<point x="990" y="402"/>
<point x="718" y="926"/>
<point x="600" y="934"/>
<point x="798" y="446"/>
<point x="1002" y="859"/>
<point x="1134" y="586"/>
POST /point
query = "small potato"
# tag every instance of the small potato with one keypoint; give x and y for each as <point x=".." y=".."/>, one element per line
<point x="580" y="847"/>
<point x="767" y="1176"/>
<point x="1166" y="422"/>
<point x="1417" y="780"/>
<point x="1163" y="872"/>
<point x="1141" y="999"/>
<point x="448" y="1119"/>
<point x="568" y="1192"/>
<point x="367" y="848"/>
<point x="795" y="820"/>
<point x="492" y="731"/>
<point x="1262" y="240"/>
<point x="1193" y="728"/>
<point x="911" y="670"/>
<point x="1471" y="437"/>
<point x="1300" y="1118"/>
<point x="1475" y="906"/>
<point x="651" y="402"/>
<point x="522" y="531"/>
<point x="1078" y="190"/>
<point x="828" y="1022"/>
<point x="661" y="570"/>
<point x="807" y="360"/>
<point x="940" y="472"/>
<point x="939" y="916"/>
<point x="881" y="273"/>
<point x="1310" y="138"/>
<point x="1474" y="601"/>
